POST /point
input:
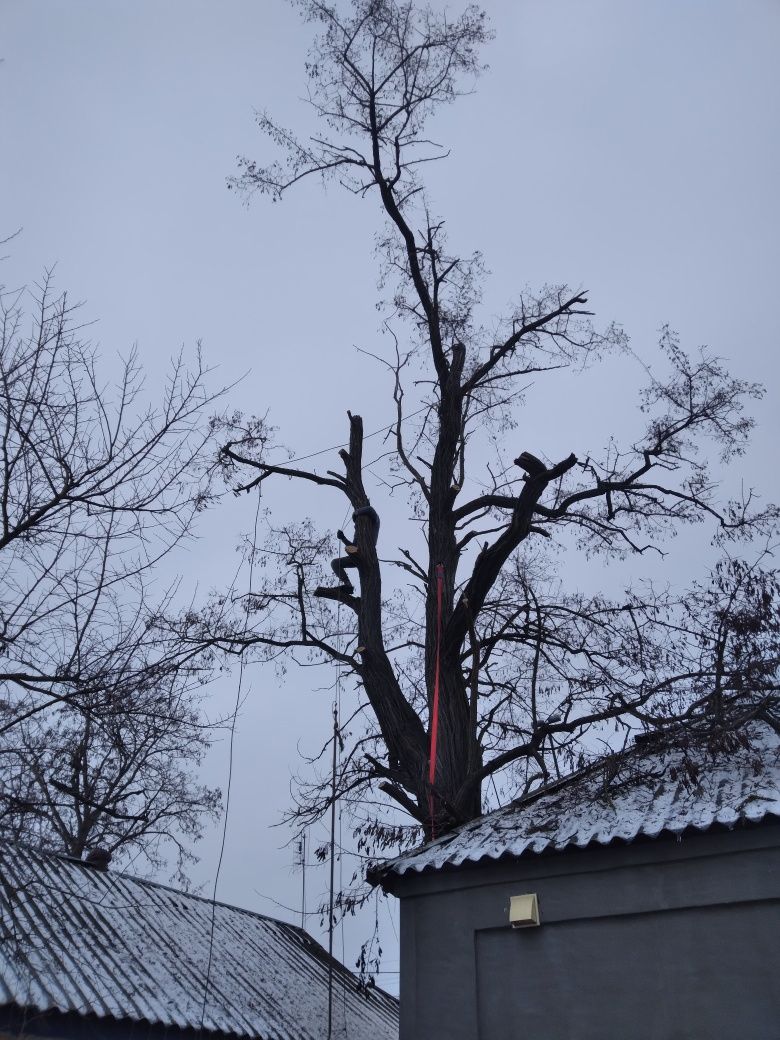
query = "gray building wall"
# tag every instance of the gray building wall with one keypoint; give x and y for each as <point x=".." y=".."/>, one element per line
<point x="659" y="940"/>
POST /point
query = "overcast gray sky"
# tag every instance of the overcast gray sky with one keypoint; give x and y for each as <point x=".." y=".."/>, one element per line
<point x="628" y="147"/>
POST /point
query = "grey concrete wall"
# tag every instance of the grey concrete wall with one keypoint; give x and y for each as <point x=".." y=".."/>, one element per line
<point x="655" y="941"/>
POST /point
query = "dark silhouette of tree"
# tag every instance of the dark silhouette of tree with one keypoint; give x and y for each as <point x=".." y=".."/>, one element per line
<point x="97" y="702"/>
<point x="120" y="779"/>
<point x="526" y="669"/>
<point x="97" y="489"/>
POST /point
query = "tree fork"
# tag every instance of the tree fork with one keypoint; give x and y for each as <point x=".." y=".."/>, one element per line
<point x="399" y="723"/>
<point x="492" y="558"/>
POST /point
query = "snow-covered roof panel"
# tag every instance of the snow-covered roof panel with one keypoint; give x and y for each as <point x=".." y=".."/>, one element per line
<point x="77" y="939"/>
<point x="642" y="792"/>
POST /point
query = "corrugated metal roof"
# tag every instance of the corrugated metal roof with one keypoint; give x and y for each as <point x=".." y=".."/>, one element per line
<point x="76" y="939"/>
<point x="619" y="798"/>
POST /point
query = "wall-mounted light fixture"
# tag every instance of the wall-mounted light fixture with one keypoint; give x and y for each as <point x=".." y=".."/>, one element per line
<point x="524" y="911"/>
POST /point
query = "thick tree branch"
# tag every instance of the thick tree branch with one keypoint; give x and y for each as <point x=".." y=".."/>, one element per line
<point x="490" y="561"/>
<point x="503" y="350"/>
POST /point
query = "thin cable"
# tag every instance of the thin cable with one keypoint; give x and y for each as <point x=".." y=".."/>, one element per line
<point x="345" y="444"/>
<point x="341" y="841"/>
<point x="332" y="865"/>
<point x="295" y="911"/>
<point x="229" y="781"/>
<point x="303" y="878"/>
<point x="336" y="741"/>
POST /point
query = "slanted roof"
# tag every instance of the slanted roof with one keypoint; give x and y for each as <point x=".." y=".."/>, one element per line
<point x="77" y="939"/>
<point x="641" y="792"/>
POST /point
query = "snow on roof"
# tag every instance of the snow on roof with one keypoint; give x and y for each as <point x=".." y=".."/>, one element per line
<point x="619" y="798"/>
<point x="77" y="939"/>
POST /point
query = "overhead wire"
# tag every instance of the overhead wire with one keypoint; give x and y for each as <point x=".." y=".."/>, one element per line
<point x="345" y="444"/>
<point x="229" y="784"/>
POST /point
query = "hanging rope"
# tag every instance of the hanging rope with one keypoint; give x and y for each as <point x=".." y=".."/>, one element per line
<point x="435" y="710"/>
<point x="229" y="787"/>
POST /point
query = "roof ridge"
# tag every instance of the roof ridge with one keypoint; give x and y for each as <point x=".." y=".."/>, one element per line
<point x="744" y="787"/>
<point x="67" y="858"/>
<point x="136" y="950"/>
<point x="660" y="741"/>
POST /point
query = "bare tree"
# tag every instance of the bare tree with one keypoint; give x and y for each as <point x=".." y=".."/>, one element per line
<point x="98" y="704"/>
<point x="119" y="778"/>
<point x="97" y="489"/>
<point x="514" y="670"/>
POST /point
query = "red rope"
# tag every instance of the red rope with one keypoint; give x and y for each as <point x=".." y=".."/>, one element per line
<point x="435" y="712"/>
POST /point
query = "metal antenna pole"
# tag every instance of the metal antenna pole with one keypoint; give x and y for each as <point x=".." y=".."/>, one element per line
<point x="332" y="867"/>
<point x="303" y="878"/>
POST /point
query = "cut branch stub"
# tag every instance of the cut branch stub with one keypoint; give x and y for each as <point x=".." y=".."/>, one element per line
<point x="493" y="557"/>
<point x="402" y="730"/>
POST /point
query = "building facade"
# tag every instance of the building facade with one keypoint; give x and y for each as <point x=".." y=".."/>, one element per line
<point x="656" y="875"/>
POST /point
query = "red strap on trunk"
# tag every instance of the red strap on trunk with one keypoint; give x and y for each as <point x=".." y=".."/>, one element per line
<point x="436" y="674"/>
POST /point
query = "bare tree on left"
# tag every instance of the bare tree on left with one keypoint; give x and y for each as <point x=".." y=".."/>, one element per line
<point x="121" y="779"/>
<point x="98" y="486"/>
